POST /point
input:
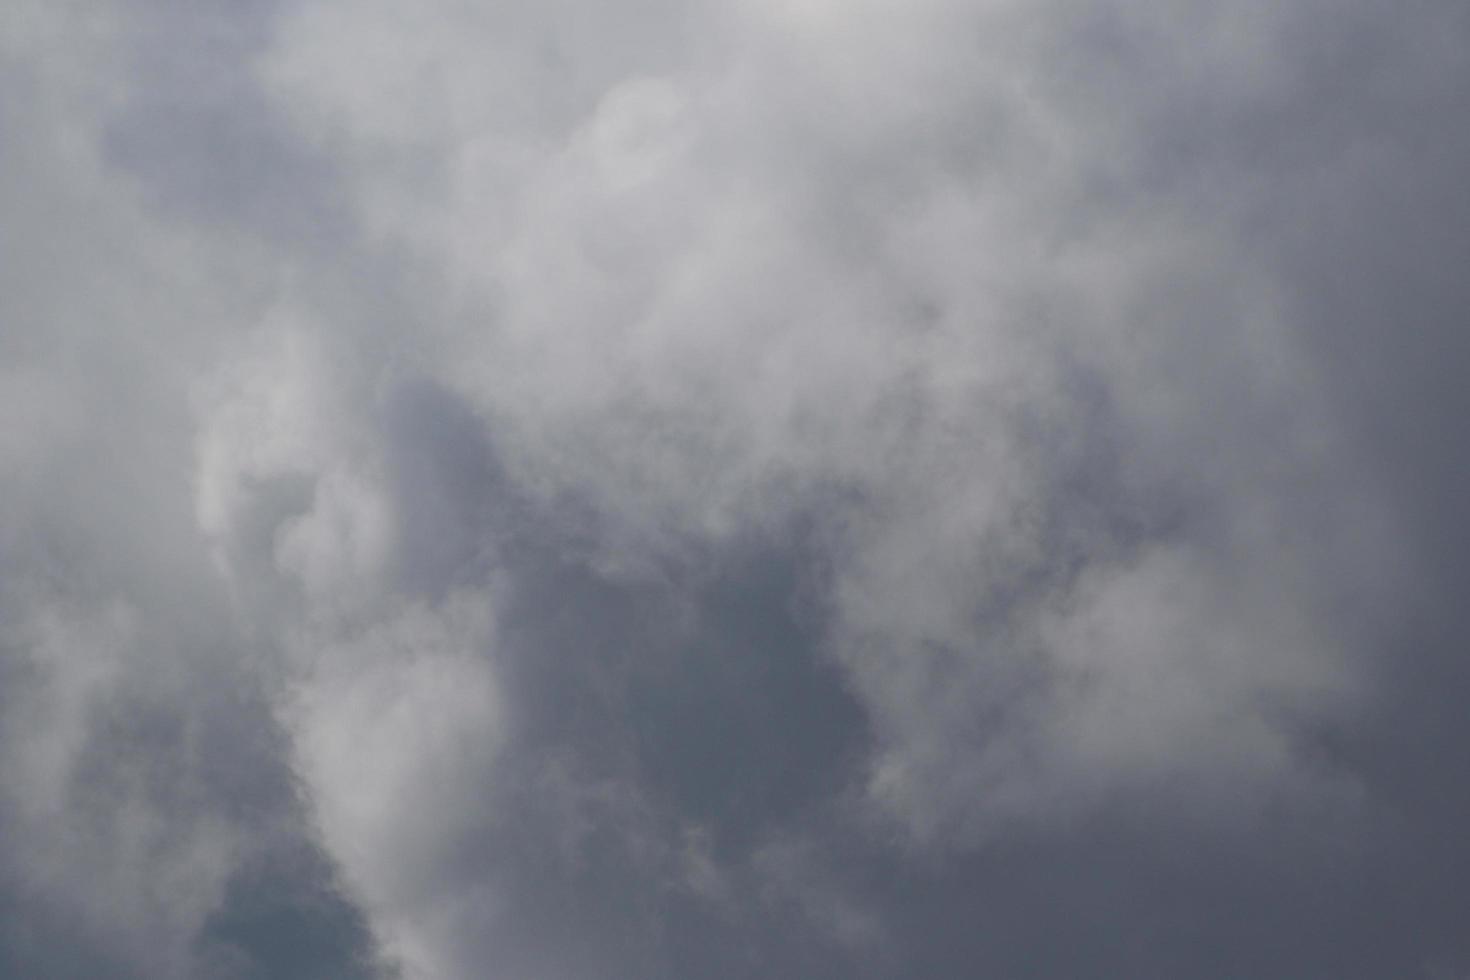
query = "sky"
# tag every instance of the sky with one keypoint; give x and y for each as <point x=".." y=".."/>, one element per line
<point x="734" y="488"/>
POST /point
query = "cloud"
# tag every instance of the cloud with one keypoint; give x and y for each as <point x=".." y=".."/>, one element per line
<point x="997" y="369"/>
<point x="392" y="732"/>
<point x="727" y="489"/>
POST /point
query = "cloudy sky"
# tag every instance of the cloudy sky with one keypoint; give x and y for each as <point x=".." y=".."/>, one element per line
<point x="669" y="489"/>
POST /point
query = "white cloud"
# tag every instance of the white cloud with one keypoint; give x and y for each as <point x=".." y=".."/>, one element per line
<point x="396" y="730"/>
<point x="853" y="255"/>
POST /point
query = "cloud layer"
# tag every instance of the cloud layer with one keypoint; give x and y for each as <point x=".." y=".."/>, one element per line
<point x="732" y="489"/>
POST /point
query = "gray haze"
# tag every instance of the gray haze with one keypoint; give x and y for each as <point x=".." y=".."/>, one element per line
<point x="734" y="488"/>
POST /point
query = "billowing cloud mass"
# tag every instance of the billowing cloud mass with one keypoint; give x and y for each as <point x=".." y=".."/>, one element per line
<point x="729" y="488"/>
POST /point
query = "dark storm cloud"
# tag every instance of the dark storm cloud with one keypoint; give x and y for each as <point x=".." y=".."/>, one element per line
<point x="733" y="489"/>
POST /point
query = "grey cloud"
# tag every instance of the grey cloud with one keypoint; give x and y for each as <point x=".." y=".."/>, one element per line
<point x="809" y="489"/>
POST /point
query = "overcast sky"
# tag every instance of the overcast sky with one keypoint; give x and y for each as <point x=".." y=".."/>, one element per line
<point x="672" y="489"/>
